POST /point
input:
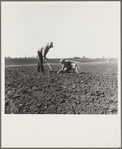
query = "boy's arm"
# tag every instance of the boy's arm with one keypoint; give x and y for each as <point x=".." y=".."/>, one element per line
<point x="61" y="69"/>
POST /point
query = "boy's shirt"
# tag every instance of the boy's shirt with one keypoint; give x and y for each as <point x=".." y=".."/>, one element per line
<point x="67" y="63"/>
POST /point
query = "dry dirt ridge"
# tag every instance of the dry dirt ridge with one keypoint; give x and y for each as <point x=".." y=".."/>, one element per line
<point x="93" y="91"/>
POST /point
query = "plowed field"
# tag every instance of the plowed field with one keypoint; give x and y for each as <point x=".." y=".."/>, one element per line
<point x="93" y="91"/>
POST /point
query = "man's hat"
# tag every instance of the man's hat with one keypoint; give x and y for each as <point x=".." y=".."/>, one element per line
<point x="51" y="43"/>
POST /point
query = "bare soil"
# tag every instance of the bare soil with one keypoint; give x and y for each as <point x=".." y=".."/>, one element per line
<point x="93" y="91"/>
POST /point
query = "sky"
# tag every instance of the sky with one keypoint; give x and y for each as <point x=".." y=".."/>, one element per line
<point x="77" y="29"/>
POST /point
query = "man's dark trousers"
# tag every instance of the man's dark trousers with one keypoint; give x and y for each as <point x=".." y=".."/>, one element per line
<point x="40" y="62"/>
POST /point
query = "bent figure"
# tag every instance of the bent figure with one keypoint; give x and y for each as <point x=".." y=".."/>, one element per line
<point x="42" y="52"/>
<point x="67" y="66"/>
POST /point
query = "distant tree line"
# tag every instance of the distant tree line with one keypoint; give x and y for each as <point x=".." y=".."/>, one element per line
<point x="34" y="60"/>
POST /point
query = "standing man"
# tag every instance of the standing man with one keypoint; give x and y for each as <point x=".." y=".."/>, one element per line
<point x="42" y="52"/>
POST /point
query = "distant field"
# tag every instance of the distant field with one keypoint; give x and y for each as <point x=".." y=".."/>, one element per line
<point x="19" y="61"/>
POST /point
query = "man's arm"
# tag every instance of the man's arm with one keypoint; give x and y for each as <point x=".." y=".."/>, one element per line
<point x="46" y="50"/>
<point x="45" y="59"/>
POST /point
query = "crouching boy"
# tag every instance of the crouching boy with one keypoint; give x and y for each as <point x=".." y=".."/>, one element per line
<point x="67" y="66"/>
